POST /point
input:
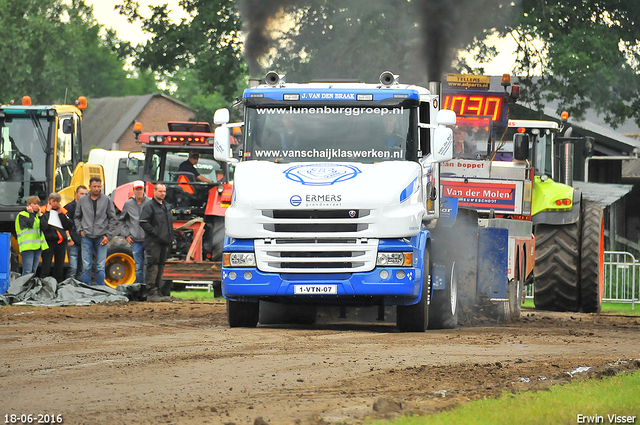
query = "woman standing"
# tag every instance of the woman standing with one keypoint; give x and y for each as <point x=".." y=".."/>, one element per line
<point x="30" y="237"/>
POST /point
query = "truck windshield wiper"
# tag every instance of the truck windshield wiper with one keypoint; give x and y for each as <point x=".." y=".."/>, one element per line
<point x="38" y="125"/>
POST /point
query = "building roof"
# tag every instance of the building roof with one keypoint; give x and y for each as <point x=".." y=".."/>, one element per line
<point x="108" y="118"/>
<point x="602" y="193"/>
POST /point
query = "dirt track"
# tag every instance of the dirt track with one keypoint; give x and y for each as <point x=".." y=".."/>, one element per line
<point x="142" y="363"/>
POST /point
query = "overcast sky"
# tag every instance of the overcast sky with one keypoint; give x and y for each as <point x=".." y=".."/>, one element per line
<point x="104" y="12"/>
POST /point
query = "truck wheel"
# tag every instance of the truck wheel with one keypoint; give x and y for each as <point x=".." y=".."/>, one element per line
<point x="592" y="259"/>
<point x="217" y="239"/>
<point x="120" y="268"/>
<point x="515" y="296"/>
<point x="242" y="314"/>
<point x="555" y="285"/>
<point x="415" y="318"/>
<point x="443" y="311"/>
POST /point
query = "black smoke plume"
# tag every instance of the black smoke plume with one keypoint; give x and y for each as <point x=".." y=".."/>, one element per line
<point x="256" y="17"/>
<point x="450" y="25"/>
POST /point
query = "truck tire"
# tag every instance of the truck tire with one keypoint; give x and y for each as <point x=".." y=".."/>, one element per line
<point x="592" y="259"/>
<point x="515" y="296"/>
<point x="556" y="270"/>
<point x="120" y="268"/>
<point x="242" y="314"/>
<point x="443" y="311"/>
<point x="217" y="239"/>
<point x="415" y="318"/>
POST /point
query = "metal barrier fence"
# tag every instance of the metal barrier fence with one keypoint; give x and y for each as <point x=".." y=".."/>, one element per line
<point x="621" y="278"/>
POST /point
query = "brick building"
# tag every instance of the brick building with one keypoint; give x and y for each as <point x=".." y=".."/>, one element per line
<point x="108" y="121"/>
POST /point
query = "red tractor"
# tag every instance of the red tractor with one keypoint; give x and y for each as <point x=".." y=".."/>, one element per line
<point x="198" y="206"/>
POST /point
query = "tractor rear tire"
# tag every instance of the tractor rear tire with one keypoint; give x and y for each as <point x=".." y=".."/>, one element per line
<point x="592" y="259"/>
<point x="415" y="318"/>
<point x="557" y="267"/>
<point x="120" y="267"/>
<point x="242" y="314"/>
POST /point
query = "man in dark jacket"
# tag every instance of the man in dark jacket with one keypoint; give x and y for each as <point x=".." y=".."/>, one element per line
<point x="54" y="224"/>
<point x="74" y="239"/>
<point x="130" y="226"/>
<point x="95" y="221"/>
<point x="157" y="222"/>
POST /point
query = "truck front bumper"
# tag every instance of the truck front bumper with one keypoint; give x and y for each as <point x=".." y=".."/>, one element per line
<point x="250" y="284"/>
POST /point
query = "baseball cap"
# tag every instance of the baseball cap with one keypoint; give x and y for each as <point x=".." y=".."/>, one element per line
<point x="138" y="183"/>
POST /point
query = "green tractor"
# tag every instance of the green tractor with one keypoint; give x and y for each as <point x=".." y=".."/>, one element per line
<point x="569" y="231"/>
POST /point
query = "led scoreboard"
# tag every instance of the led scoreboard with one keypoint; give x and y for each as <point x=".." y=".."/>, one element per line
<point x="477" y="103"/>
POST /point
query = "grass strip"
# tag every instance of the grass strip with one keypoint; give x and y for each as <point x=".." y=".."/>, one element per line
<point x="624" y="309"/>
<point x="597" y="399"/>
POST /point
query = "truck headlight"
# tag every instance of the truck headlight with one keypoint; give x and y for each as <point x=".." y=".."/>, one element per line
<point x="239" y="259"/>
<point x="394" y="259"/>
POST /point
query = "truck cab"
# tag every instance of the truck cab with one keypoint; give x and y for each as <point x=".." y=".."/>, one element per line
<point x="332" y="190"/>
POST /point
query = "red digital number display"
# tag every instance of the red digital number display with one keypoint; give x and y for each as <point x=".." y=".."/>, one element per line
<point x="476" y="104"/>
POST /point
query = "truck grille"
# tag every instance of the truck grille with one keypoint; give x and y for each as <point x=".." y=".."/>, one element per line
<point x="315" y="221"/>
<point x="304" y="255"/>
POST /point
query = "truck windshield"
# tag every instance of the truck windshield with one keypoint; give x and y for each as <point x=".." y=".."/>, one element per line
<point x="23" y="159"/>
<point x="352" y="134"/>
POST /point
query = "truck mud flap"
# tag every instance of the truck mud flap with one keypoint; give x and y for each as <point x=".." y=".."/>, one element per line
<point x="493" y="259"/>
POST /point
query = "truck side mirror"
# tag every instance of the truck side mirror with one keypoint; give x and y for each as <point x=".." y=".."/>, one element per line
<point x="133" y="165"/>
<point x="589" y="145"/>
<point x="222" y="145"/>
<point x="221" y="116"/>
<point x="520" y="146"/>
<point x="443" y="136"/>
<point x="67" y="126"/>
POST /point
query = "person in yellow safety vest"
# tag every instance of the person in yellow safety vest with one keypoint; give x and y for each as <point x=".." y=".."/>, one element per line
<point x="31" y="240"/>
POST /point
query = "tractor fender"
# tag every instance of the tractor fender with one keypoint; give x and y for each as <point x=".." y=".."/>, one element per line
<point x="561" y="217"/>
<point x="217" y="203"/>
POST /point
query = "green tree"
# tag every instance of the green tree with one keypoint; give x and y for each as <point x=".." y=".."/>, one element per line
<point x="188" y="90"/>
<point x="51" y="50"/>
<point x="590" y="56"/>
<point x="209" y="43"/>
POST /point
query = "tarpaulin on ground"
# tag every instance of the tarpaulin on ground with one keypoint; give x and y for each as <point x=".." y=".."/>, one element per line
<point x="31" y="290"/>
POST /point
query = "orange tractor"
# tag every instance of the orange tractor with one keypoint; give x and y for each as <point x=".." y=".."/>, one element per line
<point x="198" y="206"/>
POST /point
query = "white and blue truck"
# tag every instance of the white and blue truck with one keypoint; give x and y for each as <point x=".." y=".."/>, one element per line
<point x="336" y="194"/>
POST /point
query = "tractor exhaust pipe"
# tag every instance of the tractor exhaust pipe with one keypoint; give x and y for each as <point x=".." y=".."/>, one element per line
<point x="435" y="87"/>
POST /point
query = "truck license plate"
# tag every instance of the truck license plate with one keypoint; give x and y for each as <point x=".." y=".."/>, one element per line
<point x="315" y="289"/>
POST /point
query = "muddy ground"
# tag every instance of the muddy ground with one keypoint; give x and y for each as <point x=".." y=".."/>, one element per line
<point x="142" y="363"/>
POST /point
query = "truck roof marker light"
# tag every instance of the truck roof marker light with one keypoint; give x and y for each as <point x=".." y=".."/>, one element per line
<point x="506" y="80"/>
<point x="81" y="103"/>
<point x="26" y="100"/>
<point x="564" y="116"/>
